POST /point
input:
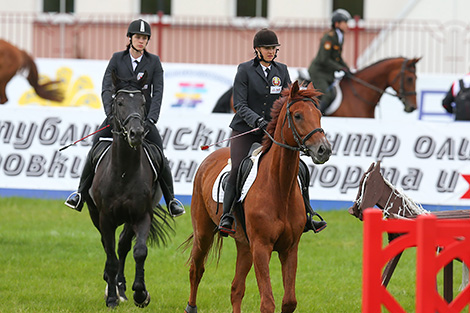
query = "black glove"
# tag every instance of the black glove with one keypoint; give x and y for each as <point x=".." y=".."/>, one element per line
<point x="261" y="123"/>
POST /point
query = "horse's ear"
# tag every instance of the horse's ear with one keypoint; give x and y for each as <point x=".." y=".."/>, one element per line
<point x="310" y="86"/>
<point x="414" y="61"/>
<point x="294" y="89"/>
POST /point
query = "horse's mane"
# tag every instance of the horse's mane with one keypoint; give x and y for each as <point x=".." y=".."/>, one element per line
<point x="277" y="107"/>
<point x="378" y="62"/>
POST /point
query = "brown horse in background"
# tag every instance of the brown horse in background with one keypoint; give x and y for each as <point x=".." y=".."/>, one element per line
<point x="13" y="60"/>
<point x="274" y="211"/>
<point x="362" y="91"/>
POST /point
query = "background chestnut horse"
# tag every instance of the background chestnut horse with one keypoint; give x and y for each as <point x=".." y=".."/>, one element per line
<point x="274" y="209"/>
<point x="13" y="60"/>
<point x="363" y="90"/>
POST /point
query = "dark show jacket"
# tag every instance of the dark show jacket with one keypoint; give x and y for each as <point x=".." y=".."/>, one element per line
<point x="153" y="90"/>
<point x="254" y="93"/>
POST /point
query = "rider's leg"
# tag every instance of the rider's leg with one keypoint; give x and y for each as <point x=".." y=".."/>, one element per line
<point x="311" y="224"/>
<point x="226" y="221"/>
<point x="75" y="199"/>
<point x="166" y="183"/>
<point x="165" y="177"/>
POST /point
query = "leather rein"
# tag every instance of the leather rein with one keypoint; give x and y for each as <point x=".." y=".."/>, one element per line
<point x="401" y="93"/>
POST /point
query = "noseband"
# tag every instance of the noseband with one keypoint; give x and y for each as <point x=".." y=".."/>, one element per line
<point x="122" y="123"/>
<point x="301" y="146"/>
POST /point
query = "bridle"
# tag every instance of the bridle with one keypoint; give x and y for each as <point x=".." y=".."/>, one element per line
<point x="301" y="146"/>
<point x="120" y="122"/>
<point x="401" y="92"/>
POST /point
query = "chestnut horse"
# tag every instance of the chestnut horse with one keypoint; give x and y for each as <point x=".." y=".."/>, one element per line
<point x="274" y="211"/>
<point x="13" y="60"/>
<point x="362" y="91"/>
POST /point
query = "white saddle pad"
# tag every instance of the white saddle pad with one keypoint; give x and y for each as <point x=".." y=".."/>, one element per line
<point x="337" y="101"/>
<point x="248" y="183"/>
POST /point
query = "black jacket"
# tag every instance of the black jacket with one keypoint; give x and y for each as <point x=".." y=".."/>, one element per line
<point x="254" y="94"/>
<point x="153" y="90"/>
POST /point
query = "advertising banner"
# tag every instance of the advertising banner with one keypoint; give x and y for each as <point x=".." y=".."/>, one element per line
<point x="427" y="160"/>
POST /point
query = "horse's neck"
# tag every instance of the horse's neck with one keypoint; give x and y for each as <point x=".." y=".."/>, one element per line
<point x="283" y="167"/>
<point x="125" y="157"/>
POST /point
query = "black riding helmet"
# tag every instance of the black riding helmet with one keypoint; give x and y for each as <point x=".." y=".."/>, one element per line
<point x="265" y="38"/>
<point x="139" y="27"/>
<point x="340" y="15"/>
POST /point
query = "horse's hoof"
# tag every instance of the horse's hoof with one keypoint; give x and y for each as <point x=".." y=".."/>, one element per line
<point x="190" y="309"/>
<point x="142" y="303"/>
<point x="112" y="303"/>
<point x="121" y="290"/>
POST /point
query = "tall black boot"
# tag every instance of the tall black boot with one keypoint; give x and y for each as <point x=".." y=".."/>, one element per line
<point x="226" y="221"/>
<point x="75" y="200"/>
<point x="311" y="224"/>
<point x="166" y="183"/>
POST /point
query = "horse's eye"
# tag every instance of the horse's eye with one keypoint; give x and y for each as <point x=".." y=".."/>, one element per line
<point x="298" y="116"/>
<point x="409" y="80"/>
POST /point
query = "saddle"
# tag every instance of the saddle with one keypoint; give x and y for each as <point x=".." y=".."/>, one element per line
<point x="153" y="152"/>
<point x="244" y="173"/>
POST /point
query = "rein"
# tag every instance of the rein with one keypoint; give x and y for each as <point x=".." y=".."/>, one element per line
<point x="122" y="124"/>
<point x="301" y="146"/>
<point x="401" y="93"/>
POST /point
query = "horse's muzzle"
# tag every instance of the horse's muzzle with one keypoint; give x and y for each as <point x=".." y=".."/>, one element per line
<point x="135" y="136"/>
<point x="320" y="152"/>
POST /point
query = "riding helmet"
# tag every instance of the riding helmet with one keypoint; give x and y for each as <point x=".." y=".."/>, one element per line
<point x="265" y="38"/>
<point x="139" y="27"/>
<point x="340" y="15"/>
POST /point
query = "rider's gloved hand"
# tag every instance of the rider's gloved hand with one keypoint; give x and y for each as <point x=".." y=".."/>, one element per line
<point x="261" y="123"/>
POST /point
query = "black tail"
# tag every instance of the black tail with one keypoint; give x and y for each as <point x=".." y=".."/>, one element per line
<point x="161" y="227"/>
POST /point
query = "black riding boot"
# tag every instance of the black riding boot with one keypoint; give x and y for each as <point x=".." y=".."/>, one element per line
<point x="166" y="183"/>
<point x="311" y="224"/>
<point x="226" y="221"/>
<point x="75" y="200"/>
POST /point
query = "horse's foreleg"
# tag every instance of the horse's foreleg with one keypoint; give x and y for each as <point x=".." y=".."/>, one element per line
<point x="244" y="263"/>
<point x="202" y="242"/>
<point x="125" y="245"/>
<point x="111" y="267"/>
<point x="3" y="94"/>
<point x="288" y="261"/>
<point x="261" y="257"/>
<point x="141" y="295"/>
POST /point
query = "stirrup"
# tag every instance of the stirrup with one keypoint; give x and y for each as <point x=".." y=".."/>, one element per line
<point x="74" y="206"/>
<point x="180" y="204"/>
<point x="224" y="231"/>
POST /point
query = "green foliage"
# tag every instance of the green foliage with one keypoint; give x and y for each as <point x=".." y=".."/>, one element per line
<point x="52" y="260"/>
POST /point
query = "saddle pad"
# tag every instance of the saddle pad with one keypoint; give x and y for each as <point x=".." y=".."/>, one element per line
<point x="102" y="153"/>
<point x="246" y="186"/>
<point x="336" y="101"/>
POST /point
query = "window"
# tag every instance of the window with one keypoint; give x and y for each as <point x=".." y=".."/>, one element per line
<point x="153" y="6"/>
<point x="55" y="6"/>
<point x="252" y="8"/>
<point x="354" y="7"/>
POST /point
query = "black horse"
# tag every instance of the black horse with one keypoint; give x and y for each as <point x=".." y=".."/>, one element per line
<point x="125" y="191"/>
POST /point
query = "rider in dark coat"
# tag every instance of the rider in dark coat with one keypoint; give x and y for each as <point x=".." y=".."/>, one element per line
<point x="133" y="61"/>
<point x="329" y="57"/>
<point x="258" y="83"/>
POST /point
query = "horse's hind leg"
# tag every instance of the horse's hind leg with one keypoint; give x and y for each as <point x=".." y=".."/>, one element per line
<point x="141" y="295"/>
<point x="244" y="263"/>
<point x="202" y="242"/>
<point x="125" y="245"/>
